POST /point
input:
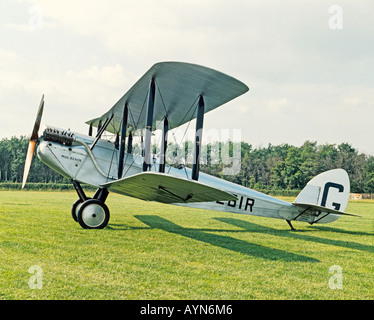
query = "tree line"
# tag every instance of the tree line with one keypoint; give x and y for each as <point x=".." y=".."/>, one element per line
<point x="273" y="167"/>
<point x="286" y="167"/>
<point x="12" y="161"/>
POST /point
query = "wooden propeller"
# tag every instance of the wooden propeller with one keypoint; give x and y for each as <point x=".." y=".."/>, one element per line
<point x="32" y="143"/>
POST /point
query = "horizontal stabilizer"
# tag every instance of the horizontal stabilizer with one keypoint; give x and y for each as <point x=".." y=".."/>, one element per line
<point x="306" y="207"/>
<point x="164" y="188"/>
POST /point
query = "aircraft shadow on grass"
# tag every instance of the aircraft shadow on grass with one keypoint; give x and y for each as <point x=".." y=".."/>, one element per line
<point x="337" y="230"/>
<point x="226" y="242"/>
<point x="245" y="247"/>
<point x="251" y="227"/>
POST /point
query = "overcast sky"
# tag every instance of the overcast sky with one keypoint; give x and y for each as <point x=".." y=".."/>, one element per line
<point x="308" y="64"/>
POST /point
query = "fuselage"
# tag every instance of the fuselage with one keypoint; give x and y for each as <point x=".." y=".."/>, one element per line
<point x="70" y="155"/>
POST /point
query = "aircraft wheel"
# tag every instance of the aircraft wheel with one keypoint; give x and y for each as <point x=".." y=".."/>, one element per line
<point x="75" y="208"/>
<point x="93" y="214"/>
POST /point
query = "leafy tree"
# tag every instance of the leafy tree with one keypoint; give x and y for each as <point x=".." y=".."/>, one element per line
<point x="369" y="178"/>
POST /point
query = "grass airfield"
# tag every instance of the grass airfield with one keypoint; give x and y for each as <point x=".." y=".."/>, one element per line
<point x="155" y="251"/>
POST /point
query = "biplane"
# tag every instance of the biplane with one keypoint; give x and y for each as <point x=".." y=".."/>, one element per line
<point x="170" y="94"/>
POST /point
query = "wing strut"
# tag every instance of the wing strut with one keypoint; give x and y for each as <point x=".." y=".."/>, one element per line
<point x="164" y="144"/>
<point x="129" y="143"/>
<point x="123" y="140"/>
<point x="148" y="126"/>
<point x="102" y="129"/>
<point x="198" y="138"/>
<point x="99" y="127"/>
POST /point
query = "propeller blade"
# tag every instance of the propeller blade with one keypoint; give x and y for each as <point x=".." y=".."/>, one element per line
<point x="35" y="131"/>
<point x="32" y="143"/>
<point x="30" y="153"/>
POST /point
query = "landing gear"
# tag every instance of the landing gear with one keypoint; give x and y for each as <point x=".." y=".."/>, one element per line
<point x="90" y="213"/>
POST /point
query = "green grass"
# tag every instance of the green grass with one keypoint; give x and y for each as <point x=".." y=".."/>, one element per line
<point x="156" y="251"/>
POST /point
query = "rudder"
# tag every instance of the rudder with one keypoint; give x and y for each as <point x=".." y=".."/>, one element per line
<point x="329" y="189"/>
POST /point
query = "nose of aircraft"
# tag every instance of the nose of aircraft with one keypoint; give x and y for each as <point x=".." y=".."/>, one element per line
<point x="46" y="154"/>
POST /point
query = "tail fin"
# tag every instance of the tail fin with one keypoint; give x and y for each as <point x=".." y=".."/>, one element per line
<point x="329" y="189"/>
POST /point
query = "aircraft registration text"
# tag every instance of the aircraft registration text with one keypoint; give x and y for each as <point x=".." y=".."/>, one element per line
<point x="243" y="203"/>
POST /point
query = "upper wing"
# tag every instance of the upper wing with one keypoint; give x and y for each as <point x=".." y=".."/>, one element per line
<point x="178" y="88"/>
<point x="167" y="189"/>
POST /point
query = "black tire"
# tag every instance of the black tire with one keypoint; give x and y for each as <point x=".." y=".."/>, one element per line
<point x="75" y="208"/>
<point x="93" y="214"/>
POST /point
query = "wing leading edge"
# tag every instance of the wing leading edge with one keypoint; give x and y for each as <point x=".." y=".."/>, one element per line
<point x="178" y="88"/>
<point x="164" y="188"/>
